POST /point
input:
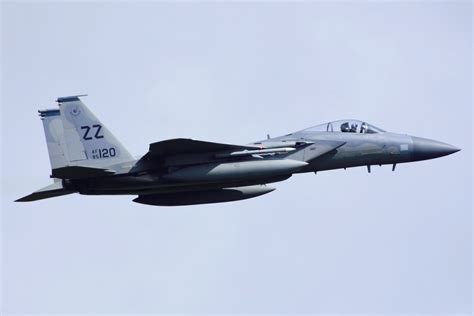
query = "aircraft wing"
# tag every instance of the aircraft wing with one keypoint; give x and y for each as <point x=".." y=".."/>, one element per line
<point x="181" y="146"/>
<point x="185" y="151"/>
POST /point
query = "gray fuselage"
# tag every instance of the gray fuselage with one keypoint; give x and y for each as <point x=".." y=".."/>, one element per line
<point x="358" y="149"/>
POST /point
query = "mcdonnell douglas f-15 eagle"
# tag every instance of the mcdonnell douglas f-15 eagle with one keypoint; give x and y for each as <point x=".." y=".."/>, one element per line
<point x="86" y="158"/>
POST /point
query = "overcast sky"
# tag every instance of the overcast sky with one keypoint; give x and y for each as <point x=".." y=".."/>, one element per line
<point x="340" y="241"/>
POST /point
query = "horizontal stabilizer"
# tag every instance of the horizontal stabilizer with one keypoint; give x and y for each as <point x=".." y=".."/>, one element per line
<point x="52" y="190"/>
<point x="80" y="172"/>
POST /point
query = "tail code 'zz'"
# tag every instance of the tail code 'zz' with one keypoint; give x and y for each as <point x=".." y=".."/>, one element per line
<point x="76" y="137"/>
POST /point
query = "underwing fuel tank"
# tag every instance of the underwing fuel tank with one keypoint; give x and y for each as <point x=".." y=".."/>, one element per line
<point x="204" y="197"/>
<point x="240" y="170"/>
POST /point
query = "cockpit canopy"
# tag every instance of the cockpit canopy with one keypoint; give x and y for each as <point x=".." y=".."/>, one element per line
<point x="345" y="126"/>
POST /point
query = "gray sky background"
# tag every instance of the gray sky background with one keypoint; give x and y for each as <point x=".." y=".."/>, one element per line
<point x="340" y="241"/>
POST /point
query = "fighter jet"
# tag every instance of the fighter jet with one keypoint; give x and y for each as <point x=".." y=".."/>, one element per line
<point x="87" y="159"/>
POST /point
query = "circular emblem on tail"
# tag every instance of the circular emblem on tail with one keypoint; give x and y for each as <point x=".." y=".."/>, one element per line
<point x="75" y="111"/>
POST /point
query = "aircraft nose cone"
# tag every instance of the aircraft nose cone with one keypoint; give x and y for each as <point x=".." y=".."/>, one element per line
<point x="428" y="149"/>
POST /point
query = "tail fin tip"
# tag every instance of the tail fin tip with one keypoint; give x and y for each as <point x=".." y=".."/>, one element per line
<point x="70" y="98"/>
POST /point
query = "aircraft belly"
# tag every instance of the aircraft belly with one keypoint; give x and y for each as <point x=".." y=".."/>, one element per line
<point x="157" y="186"/>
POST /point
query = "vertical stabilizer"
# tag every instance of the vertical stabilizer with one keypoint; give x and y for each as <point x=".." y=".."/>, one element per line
<point x="54" y="133"/>
<point x="88" y="141"/>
